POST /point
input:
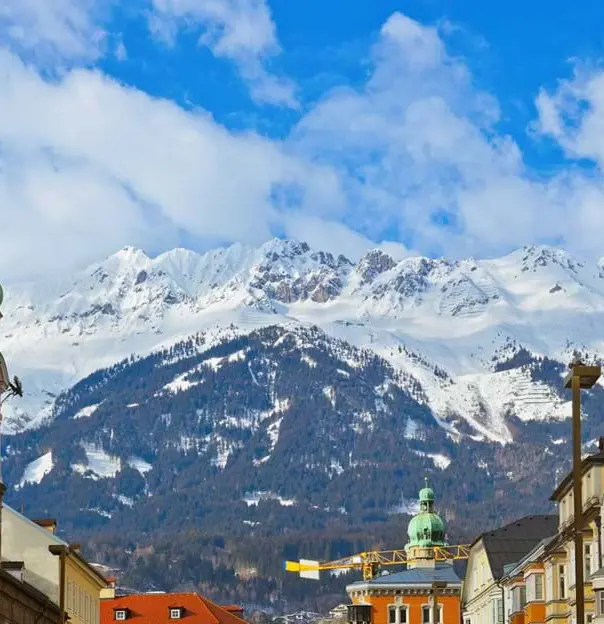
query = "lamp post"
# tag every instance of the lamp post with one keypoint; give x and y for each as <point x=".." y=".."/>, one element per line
<point x="436" y="586"/>
<point x="579" y="377"/>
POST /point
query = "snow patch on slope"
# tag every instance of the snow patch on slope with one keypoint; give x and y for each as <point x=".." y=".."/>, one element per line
<point x="86" y="412"/>
<point x="100" y="465"/>
<point x="253" y="498"/>
<point x="36" y="470"/>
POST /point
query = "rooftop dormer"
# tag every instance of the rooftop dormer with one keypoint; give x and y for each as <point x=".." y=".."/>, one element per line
<point x="121" y="614"/>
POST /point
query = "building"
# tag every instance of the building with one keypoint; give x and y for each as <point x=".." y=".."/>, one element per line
<point x="597" y="580"/>
<point x="52" y="566"/>
<point x="524" y="587"/>
<point x="20" y="603"/>
<point x="559" y="557"/>
<point x="166" y="609"/>
<point x="483" y="596"/>
<point x="407" y="597"/>
<point x="538" y="586"/>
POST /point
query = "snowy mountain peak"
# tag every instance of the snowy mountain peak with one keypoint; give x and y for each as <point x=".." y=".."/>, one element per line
<point x="374" y="263"/>
<point x="456" y="314"/>
<point x="536" y="256"/>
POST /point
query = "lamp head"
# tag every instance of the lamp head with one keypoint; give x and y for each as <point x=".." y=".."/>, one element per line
<point x="588" y="375"/>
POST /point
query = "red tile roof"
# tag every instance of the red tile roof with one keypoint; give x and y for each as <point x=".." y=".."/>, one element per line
<point x="155" y="609"/>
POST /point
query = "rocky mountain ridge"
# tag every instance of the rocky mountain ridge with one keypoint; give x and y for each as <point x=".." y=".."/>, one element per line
<point x="459" y="316"/>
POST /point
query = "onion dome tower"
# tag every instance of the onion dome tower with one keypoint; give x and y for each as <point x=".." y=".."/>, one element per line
<point x="426" y="531"/>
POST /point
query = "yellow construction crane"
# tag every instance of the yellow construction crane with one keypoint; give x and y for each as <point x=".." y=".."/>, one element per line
<point x="370" y="562"/>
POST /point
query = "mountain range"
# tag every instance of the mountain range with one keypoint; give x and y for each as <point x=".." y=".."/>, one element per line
<point x="257" y="393"/>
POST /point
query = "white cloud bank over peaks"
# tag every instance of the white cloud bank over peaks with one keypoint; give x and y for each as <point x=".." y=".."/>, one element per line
<point x="88" y="165"/>
<point x="240" y="30"/>
<point x="421" y="153"/>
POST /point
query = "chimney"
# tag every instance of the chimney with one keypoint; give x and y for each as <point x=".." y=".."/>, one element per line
<point x="108" y="593"/>
<point x="50" y="524"/>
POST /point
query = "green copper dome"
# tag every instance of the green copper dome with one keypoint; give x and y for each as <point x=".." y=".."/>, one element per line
<point x="426" y="529"/>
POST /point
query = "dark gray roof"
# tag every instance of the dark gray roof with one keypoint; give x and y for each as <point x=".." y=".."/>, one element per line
<point x="510" y="568"/>
<point x="419" y="576"/>
<point x="512" y="542"/>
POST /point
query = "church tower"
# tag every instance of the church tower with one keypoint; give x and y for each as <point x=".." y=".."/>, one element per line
<point x="426" y="531"/>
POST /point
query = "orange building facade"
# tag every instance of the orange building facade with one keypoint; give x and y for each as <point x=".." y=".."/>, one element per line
<point x="409" y="597"/>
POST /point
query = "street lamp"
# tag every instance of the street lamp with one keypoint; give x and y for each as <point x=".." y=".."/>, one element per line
<point x="580" y="377"/>
<point x="436" y="586"/>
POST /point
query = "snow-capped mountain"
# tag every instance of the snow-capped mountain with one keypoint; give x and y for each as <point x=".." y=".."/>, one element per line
<point x="460" y="318"/>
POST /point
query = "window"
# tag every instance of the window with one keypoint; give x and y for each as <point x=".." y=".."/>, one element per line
<point x="516" y="600"/>
<point x="549" y="580"/>
<point x="120" y="615"/>
<point x="175" y="613"/>
<point x="522" y="596"/>
<point x="497" y="611"/>
<point x="587" y="560"/>
<point x="427" y="614"/>
<point x="600" y="602"/>
<point x="395" y="612"/>
<point x="561" y="581"/>
<point x="538" y="587"/>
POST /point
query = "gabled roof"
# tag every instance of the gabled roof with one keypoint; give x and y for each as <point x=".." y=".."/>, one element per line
<point x="512" y="542"/>
<point x="154" y="609"/>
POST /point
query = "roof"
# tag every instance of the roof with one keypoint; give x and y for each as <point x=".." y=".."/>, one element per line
<point x="417" y="576"/>
<point x="57" y="542"/>
<point x="34" y="525"/>
<point x="511" y="570"/>
<point x="512" y="542"/>
<point x="32" y="592"/>
<point x="565" y="484"/>
<point x="154" y="609"/>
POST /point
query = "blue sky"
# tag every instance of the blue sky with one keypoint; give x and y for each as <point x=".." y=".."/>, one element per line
<point x="433" y="127"/>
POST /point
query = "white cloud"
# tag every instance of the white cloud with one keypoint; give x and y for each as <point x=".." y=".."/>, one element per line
<point x="419" y="145"/>
<point x="240" y="30"/>
<point x="88" y="165"/>
<point x="53" y="30"/>
<point x="336" y="237"/>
